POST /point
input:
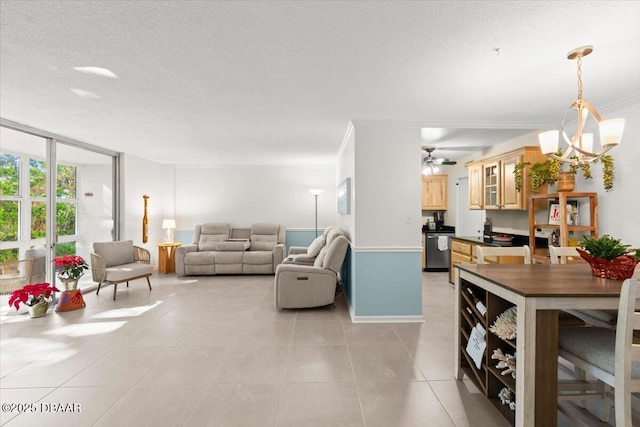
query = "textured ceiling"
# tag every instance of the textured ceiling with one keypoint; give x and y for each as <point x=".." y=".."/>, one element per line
<point x="238" y="83"/>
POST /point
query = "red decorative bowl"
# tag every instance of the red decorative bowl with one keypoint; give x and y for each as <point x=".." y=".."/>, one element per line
<point x="619" y="268"/>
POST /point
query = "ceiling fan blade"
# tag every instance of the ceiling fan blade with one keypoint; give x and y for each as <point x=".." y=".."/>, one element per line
<point x="449" y="162"/>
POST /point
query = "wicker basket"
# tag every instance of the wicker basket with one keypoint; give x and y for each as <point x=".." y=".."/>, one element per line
<point x="619" y="268"/>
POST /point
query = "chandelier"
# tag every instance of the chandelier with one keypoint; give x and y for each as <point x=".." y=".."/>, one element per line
<point x="581" y="144"/>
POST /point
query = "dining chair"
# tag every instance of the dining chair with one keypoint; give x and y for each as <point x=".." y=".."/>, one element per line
<point x="562" y="254"/>
<point x="611" y="356"/>
<point x="483" y="252"/>
<point x="601" y="318"/>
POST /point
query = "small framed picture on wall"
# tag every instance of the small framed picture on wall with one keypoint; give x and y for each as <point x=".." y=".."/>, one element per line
<point x="343" y="195"/>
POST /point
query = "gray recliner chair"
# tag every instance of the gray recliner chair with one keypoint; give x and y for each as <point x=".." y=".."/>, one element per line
<point x="302" y="286"/>
<point x="306" y="255"/>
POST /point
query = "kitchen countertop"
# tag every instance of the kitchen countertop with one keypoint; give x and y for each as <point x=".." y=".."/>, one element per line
<point x="444" y="229"/>
<point x="518" y="240"/>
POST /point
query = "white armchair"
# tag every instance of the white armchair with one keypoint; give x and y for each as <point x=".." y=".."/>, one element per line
<point x="117" y="262"/>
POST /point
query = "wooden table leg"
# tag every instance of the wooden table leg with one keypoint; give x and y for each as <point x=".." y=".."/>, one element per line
<point x="546" y="368"/>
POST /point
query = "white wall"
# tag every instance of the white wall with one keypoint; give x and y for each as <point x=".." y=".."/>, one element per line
<point x="140" y="177"/>
<point x="618" y="208"/>
<point x="346" y="169"/>
<point x="95" y="213"/>
<point x="244" y="195"/>
<point x="388" y="190"/>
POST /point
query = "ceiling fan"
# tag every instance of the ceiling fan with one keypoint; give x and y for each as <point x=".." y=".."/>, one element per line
<point x="431" y="163"/>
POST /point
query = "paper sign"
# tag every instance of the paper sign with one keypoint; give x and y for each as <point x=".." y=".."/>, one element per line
<point x="477" y="345"/>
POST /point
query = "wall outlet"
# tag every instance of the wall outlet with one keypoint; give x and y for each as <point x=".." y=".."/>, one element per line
<point x="408" y="219"/>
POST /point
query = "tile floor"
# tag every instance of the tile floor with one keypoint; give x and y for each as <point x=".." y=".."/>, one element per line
<point x="213" y="351"/>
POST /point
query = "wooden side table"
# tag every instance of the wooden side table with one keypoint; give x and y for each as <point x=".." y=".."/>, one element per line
<point x="167" y="257"/>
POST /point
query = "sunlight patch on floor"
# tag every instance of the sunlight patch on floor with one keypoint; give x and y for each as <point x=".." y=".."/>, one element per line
<point x="86" y="329"/>
<point x="125" y="311"/>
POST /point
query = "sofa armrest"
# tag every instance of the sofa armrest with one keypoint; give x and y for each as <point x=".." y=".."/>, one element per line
<point x="141" y="255"/>
<point x="295" y="250"/>
<point x="299" y="286"/>
<point x="302" y="259"/>
<point x="98" y="272"/>
<point x="181" y="252"/>
<point x="278" y="254"/>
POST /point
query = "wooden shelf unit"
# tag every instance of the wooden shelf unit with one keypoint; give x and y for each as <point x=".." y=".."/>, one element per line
<point x="563" y="227"/>
<point x="488" y="378"/>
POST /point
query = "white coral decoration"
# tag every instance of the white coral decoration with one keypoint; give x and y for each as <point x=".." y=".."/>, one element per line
<point x="507" y="398"/>
<point x="505" y="325"/>
<point x="506" y="362"/>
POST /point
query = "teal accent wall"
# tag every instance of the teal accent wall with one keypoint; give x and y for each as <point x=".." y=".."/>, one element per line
<point x="346" y="276"/>
<point x="385" y="284"/>
<point x="184" y="237"/>
<point x="301" y="237"/>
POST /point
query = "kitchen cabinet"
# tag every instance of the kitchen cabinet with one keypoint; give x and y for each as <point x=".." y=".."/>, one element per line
<point x="434" y="193"/>
<point x="492" y="183"/>
<point x="475" y="186"/>
<point x="589" y="226"/>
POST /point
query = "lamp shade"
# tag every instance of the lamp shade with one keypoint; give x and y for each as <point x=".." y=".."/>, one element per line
<point x="168" y="223"/>
<point x="611" y="131"/>
<point x="587" y="142"/>
<point x="548" y="141"/>
<point x="316" y="191"/>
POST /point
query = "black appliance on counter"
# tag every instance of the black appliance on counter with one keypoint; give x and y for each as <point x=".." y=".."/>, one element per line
<point x="438" y="247"/>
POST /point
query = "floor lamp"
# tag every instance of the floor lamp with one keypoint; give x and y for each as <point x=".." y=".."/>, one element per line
<point x="316" y="192"/>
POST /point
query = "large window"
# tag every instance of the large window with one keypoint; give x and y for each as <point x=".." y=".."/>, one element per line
<point x="9" y="204"/>
<point x="81" y="172"/>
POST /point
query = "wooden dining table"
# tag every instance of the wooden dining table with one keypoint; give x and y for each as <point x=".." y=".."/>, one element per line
<point x="539" y="291"/>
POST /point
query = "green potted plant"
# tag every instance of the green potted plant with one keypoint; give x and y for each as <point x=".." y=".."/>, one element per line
<point x="608" y="257"/>
<point x="36" y="296"/>
<point x="550" y="172"/>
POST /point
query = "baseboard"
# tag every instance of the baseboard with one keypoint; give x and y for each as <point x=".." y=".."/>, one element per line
<point x="383" y="319"/>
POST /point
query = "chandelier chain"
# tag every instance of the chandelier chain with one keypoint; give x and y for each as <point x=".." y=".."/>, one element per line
<point x="580" y="77"/>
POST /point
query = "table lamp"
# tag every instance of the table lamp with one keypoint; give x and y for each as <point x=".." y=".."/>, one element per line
<point x="169" y="225"/>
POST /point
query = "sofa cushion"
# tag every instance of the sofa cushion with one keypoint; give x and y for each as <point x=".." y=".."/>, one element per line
<point x="211" y="234"/>
<point x="258" y="257"/>
<point x="115" y="253"/>
<point x="228" y="257"/>
<point x="200" y="258"/>
<point x="122" y="272"/>
<point x="257" y="269"/>
<point x="334" y="257"/>
<point x="239" y="246"/>
<point x="264" y="237"/>
<point x="320" y="258"/>
<point x="314" y="248"/>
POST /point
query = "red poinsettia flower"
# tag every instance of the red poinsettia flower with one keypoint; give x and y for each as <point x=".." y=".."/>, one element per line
<point x="70" y="266"/>
<point x="31" y="294"/>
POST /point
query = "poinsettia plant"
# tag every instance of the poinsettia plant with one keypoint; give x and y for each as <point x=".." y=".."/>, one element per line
<point x="32" y="294"/>
<point x="70" y="266"/>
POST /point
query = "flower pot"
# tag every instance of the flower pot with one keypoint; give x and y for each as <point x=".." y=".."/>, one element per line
<point x="619" y="268"/>
<point x="69" y="284"/>
<point x="566" y="181"/>
<point x="39" y="309"/>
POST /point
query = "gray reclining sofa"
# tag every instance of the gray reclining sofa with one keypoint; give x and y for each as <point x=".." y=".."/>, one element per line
<point x="221" y="249"/>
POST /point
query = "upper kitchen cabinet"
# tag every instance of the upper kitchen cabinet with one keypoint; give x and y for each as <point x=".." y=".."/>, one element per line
<point x="434" y="193"/>
<point x="492" y="183"/>
<point x="475" y="185"/>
